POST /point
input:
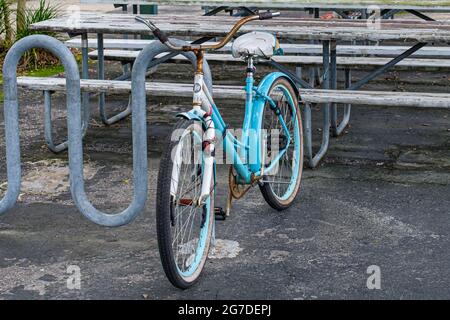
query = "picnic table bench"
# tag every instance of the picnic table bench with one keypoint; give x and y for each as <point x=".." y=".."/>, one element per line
<point x="288" y="48"/>
<point x="416" y="33"/>
<point x="184" y="90"/>
<point x="298" y="60"/>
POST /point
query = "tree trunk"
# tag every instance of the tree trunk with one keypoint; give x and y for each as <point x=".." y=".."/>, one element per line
<point x="6" y="17"/>
<point x="21" y="7"/>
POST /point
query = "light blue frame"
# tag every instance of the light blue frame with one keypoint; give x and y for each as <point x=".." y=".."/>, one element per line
<point x="256" y="99"/>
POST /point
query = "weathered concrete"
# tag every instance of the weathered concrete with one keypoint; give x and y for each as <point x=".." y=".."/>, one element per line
<point x="381" y="198"/>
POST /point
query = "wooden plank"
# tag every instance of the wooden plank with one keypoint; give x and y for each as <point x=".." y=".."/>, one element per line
<point x="124" y="87"/>
<point x="283" y="28"/>
<point x="364" y="50"/>
<point x="373" y="98"/>
<point x="425" y="5"/>
<point x="124" y="55"/>
<point x="381" y="99"/>
<point x="288" y="48"/>
<point x="110" y="43"/>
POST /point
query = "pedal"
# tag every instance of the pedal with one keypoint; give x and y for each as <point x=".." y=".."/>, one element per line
<point x="220" y="214"/>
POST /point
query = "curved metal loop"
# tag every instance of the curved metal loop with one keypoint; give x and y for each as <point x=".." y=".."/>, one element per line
<point x="139" y="131"/>
<point x="11" y="105"/>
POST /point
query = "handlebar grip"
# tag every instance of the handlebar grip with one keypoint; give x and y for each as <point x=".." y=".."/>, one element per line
<point x="155" y="30"/>
<point x="268" y="15"/>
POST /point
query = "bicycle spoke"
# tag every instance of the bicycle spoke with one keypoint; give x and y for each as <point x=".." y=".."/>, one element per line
<point x="187" y="216"/>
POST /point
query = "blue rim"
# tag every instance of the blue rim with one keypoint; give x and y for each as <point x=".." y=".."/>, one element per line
<point x="201" y="246"/>
<point x="297" y="143"/>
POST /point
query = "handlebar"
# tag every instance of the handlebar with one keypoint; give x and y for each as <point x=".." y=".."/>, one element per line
<point x="165" y="39"/>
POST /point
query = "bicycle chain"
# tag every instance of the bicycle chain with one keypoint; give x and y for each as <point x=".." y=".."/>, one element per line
<point x="236" y="191"/>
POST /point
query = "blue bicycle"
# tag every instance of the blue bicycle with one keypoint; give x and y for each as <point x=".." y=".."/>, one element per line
<point x="269" y="154"/>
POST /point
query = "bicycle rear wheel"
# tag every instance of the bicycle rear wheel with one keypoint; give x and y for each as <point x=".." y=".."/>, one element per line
<point x="283" y="153"/>
<point x="184" y="228"/>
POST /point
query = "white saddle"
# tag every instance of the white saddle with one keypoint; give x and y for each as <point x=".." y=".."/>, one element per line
<point x="261" y="44"/>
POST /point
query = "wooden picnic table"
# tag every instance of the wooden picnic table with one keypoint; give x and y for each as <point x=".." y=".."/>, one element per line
<point x="284" y="28"/>
<point x="425" y="5"/>
<point x="416" y="32"/>
<point x="386" y="9"/>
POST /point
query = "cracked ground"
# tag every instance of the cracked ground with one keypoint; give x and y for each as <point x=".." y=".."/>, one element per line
<point x="381" y="197"/>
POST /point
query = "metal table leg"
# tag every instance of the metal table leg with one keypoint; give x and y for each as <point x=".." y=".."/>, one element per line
<point x="313" y="161"/>
<point x="347" y="108"/>
<point x="48" y="132"/>
<point x="85" y="75"/>
<point x="307" y="120"/>
<point x="101" y="98"/>
<point x="126" y="67"/>
<point x="333" y="86"/>
<point x="338" y="127"/>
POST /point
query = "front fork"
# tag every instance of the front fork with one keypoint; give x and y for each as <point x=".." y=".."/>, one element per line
<point x="203" y="108"/>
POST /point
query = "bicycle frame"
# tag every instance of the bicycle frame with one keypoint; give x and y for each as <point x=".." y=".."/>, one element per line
<point x="205" y="109"/>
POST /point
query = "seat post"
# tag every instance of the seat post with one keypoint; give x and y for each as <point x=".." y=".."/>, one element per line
<point x="200" y="57"/>
<point x="250" y="78"/>
<point x="250" y="66"/>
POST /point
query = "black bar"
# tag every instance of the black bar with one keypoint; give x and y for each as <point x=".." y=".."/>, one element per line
<point x="342" y="14"/>
<point x="388" y="65"/>
<point x="246" y="11"/>
<point x="386" y="14"/>
<point x="293" y="76"/>
<point x="420" y="15"/>
<point x="216" y="11"/>
<point x="316" y="13"/>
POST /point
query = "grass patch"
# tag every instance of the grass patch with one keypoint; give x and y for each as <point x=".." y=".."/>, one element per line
<point x="45" y="72"/>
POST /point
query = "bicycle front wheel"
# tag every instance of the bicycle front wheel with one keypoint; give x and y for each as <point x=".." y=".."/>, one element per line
<point x="184" y="228"/>
<point x="283" y="147"/>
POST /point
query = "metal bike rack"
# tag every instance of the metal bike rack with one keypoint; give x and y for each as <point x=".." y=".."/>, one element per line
<point x="75" y="128"/>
